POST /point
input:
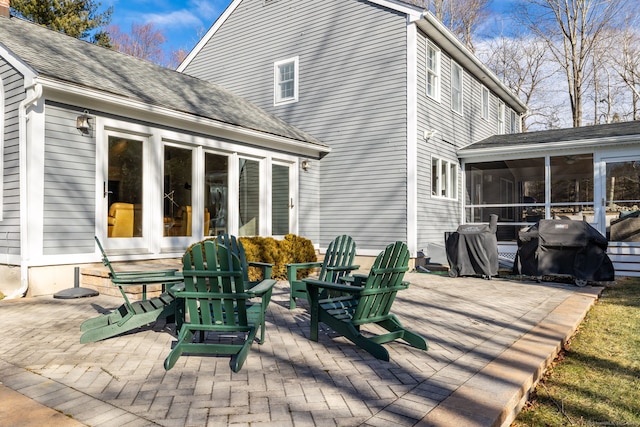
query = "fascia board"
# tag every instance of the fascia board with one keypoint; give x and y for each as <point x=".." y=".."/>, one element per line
<point x="443" y="37"/>
<point x="110" y="103"/>
<point x="548" y="147"/>
<point x="205" y="39"/>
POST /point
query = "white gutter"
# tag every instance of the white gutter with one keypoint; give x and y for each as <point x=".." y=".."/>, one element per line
<point x="24" y="211"/>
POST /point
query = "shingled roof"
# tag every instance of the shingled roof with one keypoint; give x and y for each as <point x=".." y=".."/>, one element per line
<point x="595" y="134"/>
<point x="66" y="59"/>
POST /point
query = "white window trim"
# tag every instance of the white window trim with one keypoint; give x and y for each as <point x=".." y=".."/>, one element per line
<point x="436" y="73"/>
<point x="501" y="124"/>
<point x="277" y="100"/>
<point x="513" y="119"/>
<point x="484" y="103"/>
<point x="455" y="67"/>
<point x="451" y="179"/>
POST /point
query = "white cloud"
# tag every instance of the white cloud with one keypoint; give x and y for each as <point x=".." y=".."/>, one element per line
<point x="178" y="18"/>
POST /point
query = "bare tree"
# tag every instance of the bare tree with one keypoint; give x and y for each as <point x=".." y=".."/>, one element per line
<point x="461" y="16"/>
<point x="176" y="58"/>
<point x="625" y="62"/>
<point x="571" y="29"/>
<point x="523" y="64"/>
<point x="144" y="42"/>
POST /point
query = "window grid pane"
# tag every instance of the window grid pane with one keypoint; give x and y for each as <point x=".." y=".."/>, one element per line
<point x="485" y="103"/>
<point x="456" y="88"/>
<point x="433" y="71"/>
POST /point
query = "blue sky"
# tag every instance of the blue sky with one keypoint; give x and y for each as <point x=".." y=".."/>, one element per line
<point x="184" y="22"/>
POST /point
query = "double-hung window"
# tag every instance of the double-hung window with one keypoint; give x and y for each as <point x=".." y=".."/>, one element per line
<point x="444" y="178"/>
<point x="456" y="88"/>
<point x="514" y="123"/>
<point x="433" y="71"/>
<point x="485" y="103"/>
<point x="500" y="118"/>
<point x="285" y="84"/>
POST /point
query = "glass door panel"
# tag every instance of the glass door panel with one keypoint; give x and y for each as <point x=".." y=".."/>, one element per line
<point x="178" y="173"/>
<point x="280" y="198"/>
<point x="622" y="198"/>
<point x="249" y="197"/>
<point x="124" y="187"/>
<point x="216" y="215"/>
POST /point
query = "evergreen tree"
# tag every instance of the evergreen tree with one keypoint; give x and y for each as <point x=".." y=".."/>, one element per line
<point x="76" y="18"/>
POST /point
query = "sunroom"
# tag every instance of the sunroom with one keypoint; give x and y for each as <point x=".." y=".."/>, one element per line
<point x="589" y="174"/>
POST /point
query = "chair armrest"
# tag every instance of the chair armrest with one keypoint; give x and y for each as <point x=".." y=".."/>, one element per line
<point x="343" y="268"/>
<point x="292" y="269"/>
<point x="315" y="283"/>
<point x="304" y="265"/>
<point x="354" y="279"/>
<point x="259" y="264"/>
<point x="262" y="287"/>
<point x="143" y="278"/>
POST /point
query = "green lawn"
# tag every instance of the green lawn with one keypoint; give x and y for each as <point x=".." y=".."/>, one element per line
<point x="596" y="380"/>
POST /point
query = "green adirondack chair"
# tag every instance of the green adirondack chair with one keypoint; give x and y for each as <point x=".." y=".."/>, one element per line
<point x="337" y="263"/>
<point x="368" y="301"/>
<point x="237" y="249"/>
<point x="233" y="243"/>
<point x="132" y="315"/>
<point x="217" y="305"/>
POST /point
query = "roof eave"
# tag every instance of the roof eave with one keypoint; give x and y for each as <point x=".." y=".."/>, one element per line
<point x="206" y="125"/>
<point x="523" y="149"/>
<point x="442" y="36"/>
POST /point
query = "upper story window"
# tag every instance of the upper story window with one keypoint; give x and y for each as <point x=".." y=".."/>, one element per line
<point x="456" y="88"/>
<point x="433" y="71"/>
<point x="484" y="101"/>
<point x="285" y="85"/>
<point x="500" y="118"/>
<point x="514" y="122"/>
<point x="444" y="178"/>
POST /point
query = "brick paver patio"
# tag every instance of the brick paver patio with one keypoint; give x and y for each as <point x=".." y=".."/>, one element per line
<point x="488" y="341"/>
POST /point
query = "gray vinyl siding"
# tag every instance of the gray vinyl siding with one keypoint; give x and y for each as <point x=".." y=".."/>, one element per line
<point x="352" y="96"/>
<point x="13" y="84"/>
<point x="437" y="215"/>
<point x="69" y="185"/>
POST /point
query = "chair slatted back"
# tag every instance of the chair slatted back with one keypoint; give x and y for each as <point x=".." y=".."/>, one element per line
<point x="384" y="281"/>
<point x="214" y="288"/>
<point x="235" y="247"/>
<point x="340" y="252"/>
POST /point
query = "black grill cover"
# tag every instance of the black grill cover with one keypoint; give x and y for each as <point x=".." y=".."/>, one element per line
<point x="563" y="247"/>
<point x="473" y="250"/>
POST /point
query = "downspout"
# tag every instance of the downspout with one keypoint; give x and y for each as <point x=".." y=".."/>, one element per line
<point x="24" y="211"/>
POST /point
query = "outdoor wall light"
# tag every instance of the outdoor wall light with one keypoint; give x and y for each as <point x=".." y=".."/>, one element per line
<point x="305" y="164"/>
<point x="428" y="134"/>
<point x="82" y="123"/>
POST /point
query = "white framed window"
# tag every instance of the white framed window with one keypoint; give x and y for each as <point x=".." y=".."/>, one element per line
<point x="484" y="103"/>
<point x="500" y="118"/>
<point x="433" y="71"/>
<point x="285" y="81"/>
<point x="456" y="88"/>
<point x="444" y="178"/>
<point x="514" y="122"/>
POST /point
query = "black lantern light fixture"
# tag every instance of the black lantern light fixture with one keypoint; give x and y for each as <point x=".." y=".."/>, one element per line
<point x="83" y="124"/>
